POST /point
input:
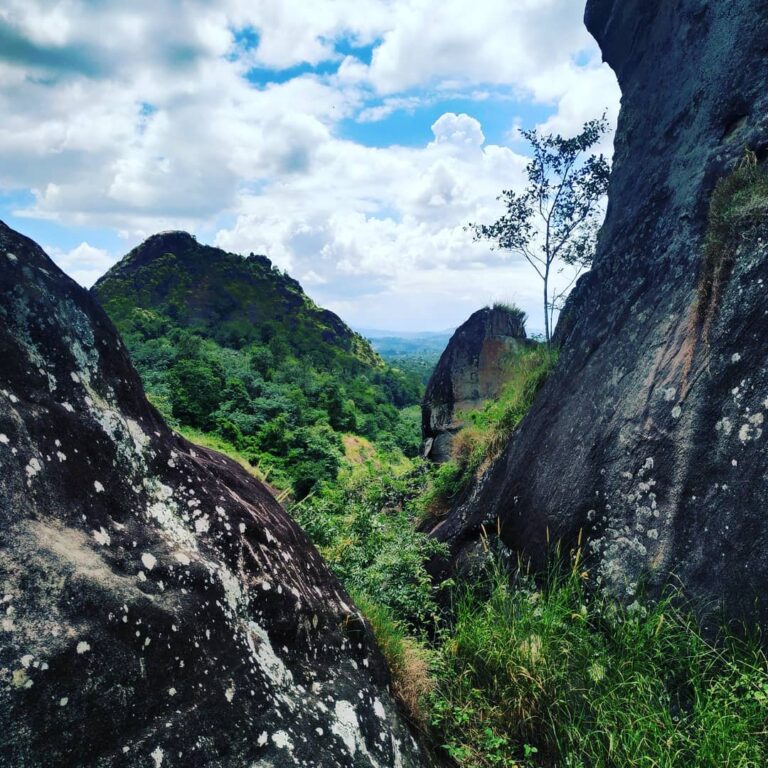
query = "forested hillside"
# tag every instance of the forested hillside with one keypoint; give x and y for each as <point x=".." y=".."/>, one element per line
<point x="232" y="347"/>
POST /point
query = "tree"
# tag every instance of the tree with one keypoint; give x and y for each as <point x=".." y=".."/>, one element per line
<point x="554" y="221"/>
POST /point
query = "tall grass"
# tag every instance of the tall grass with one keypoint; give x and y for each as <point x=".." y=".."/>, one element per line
<point x="551" y="675"/>
<point x="409" y="659"/>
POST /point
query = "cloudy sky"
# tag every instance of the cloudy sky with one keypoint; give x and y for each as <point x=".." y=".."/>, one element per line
<point x="349" y="140"/>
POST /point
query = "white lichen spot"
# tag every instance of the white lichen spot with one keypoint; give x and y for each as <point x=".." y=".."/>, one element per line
<point x="202" y="524"/>
<point x="735" y="357"/>
<point x="83" y="647"/>
<point x="182" y="558"/>
<point x="149" y="561"/>
<point x="669" y="394"/>
<point x="158" y="756"/>
<point x="74" y="377"/>
<point x="346" y="725"/>
<point x="677" y="412"/>
<point x="64" y="701"/>
<point x="171" y="691"/>
<point x="67" y="407"/>
<point x="745" y="433"/>
<point x="98" y="486"/>
<point x="4" y="440"/>
<point x="229" y="694"/>
<point x="263" y="739"/>
<point x="652" y="533"/>
<point x="102" y="537"/>
<point x="33" y="467"/>
<point x="378" y="709"/>
<point x="26" y="660"/>
<point x="61" y="456"/>
<point x="282" y="740"/>
<point x="242" y="527"/>
<point x="725" y="426"/>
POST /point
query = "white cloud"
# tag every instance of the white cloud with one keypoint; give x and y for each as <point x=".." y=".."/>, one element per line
<point x="134" y="117"/>
<point x="85" y="264"/>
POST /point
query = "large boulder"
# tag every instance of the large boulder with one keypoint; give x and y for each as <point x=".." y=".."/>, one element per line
<point x="158" y="607"/>
<point x="470" y="371"/>
<point x="649" y="438"/>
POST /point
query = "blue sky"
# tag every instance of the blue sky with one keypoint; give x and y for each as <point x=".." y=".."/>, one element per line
<point x="349" y="140"/>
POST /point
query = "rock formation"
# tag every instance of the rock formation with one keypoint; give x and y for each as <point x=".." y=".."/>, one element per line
<point x="650" y="435"/>
<point x="470" y="372"/>
<point x="157" y="606"/>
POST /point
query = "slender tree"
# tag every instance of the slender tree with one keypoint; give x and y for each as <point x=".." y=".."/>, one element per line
<point x="553" y="223"/>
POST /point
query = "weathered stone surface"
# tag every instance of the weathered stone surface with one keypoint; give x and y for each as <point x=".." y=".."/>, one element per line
<point x="650" y="437"/>
<point x="157" y="606"/>
<point x="469" y="372"/>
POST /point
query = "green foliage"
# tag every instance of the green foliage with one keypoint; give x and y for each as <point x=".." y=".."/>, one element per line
<point x="555" y="219"/>
<point x="739" y="203"/>
<point x="234" y="348"/>
<point x="552" y="674"/>
<point x="364" y="528"/>
<point x="488" y="430"/>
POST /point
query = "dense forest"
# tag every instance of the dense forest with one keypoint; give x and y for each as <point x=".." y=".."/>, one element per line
<point x="231" y="349"/>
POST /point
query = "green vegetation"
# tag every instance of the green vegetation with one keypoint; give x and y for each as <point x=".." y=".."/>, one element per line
<point x="519" y="670"/>
<point x="415" y="355"/>
<point x="512" y="671"/>
<point x="364" y="526"/>
<point x="555" y="219"/>
<point x="488" y="430"/>
<point x="739" y="203"/>
<point x="549" y="673"/>
<point x="232" y="348"/>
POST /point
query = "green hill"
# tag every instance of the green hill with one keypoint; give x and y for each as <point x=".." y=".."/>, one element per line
<point x="231" y="346"/>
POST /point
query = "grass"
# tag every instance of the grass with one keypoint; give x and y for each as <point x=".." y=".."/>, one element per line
<point x="408" y="658"/>
<point x="216" y="443"/>
<point x="739" y="203"/>
<point x="487" y="431"/>
<point x="551" y="675"/>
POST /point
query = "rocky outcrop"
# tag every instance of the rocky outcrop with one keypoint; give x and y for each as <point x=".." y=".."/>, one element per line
<point x="650" y="437"/>
<point x="471" y="371"/>
<point x="157" y="606"/>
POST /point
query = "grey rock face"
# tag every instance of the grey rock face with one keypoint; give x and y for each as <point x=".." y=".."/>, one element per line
<point x="157" y="606"/>
<point x="650" y="437"/>
<point x="469" y="372"/>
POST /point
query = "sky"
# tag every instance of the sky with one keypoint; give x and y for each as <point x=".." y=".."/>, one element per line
<point x="351" y="141"/>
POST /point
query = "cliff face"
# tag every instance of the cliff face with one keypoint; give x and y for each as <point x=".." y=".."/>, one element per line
<point x="649" y="436"/>
<point x="469" y="372"/>
<point x="158" y="607"/>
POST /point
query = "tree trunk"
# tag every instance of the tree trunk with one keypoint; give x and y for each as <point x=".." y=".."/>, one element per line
<point x="546" y="304"/>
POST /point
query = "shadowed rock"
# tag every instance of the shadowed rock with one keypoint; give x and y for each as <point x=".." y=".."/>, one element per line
<point x="157" y="606"/>
<point x="471" y="371"/>
<point x="650" y="435"/>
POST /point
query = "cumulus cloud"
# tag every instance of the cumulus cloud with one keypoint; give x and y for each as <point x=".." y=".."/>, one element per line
<point x="231" y="116"/>
<point x="85" y="263"/>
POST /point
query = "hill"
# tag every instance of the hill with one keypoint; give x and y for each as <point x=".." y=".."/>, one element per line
<point x="230" y="345"/>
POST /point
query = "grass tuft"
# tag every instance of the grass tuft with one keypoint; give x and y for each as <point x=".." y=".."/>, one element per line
<point x="408" y="659"/>
<point x="550" y="674"/>
<point x="739" y="203"/>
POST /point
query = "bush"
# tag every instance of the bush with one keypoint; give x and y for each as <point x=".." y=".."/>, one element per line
<point x="364" y="528"/>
